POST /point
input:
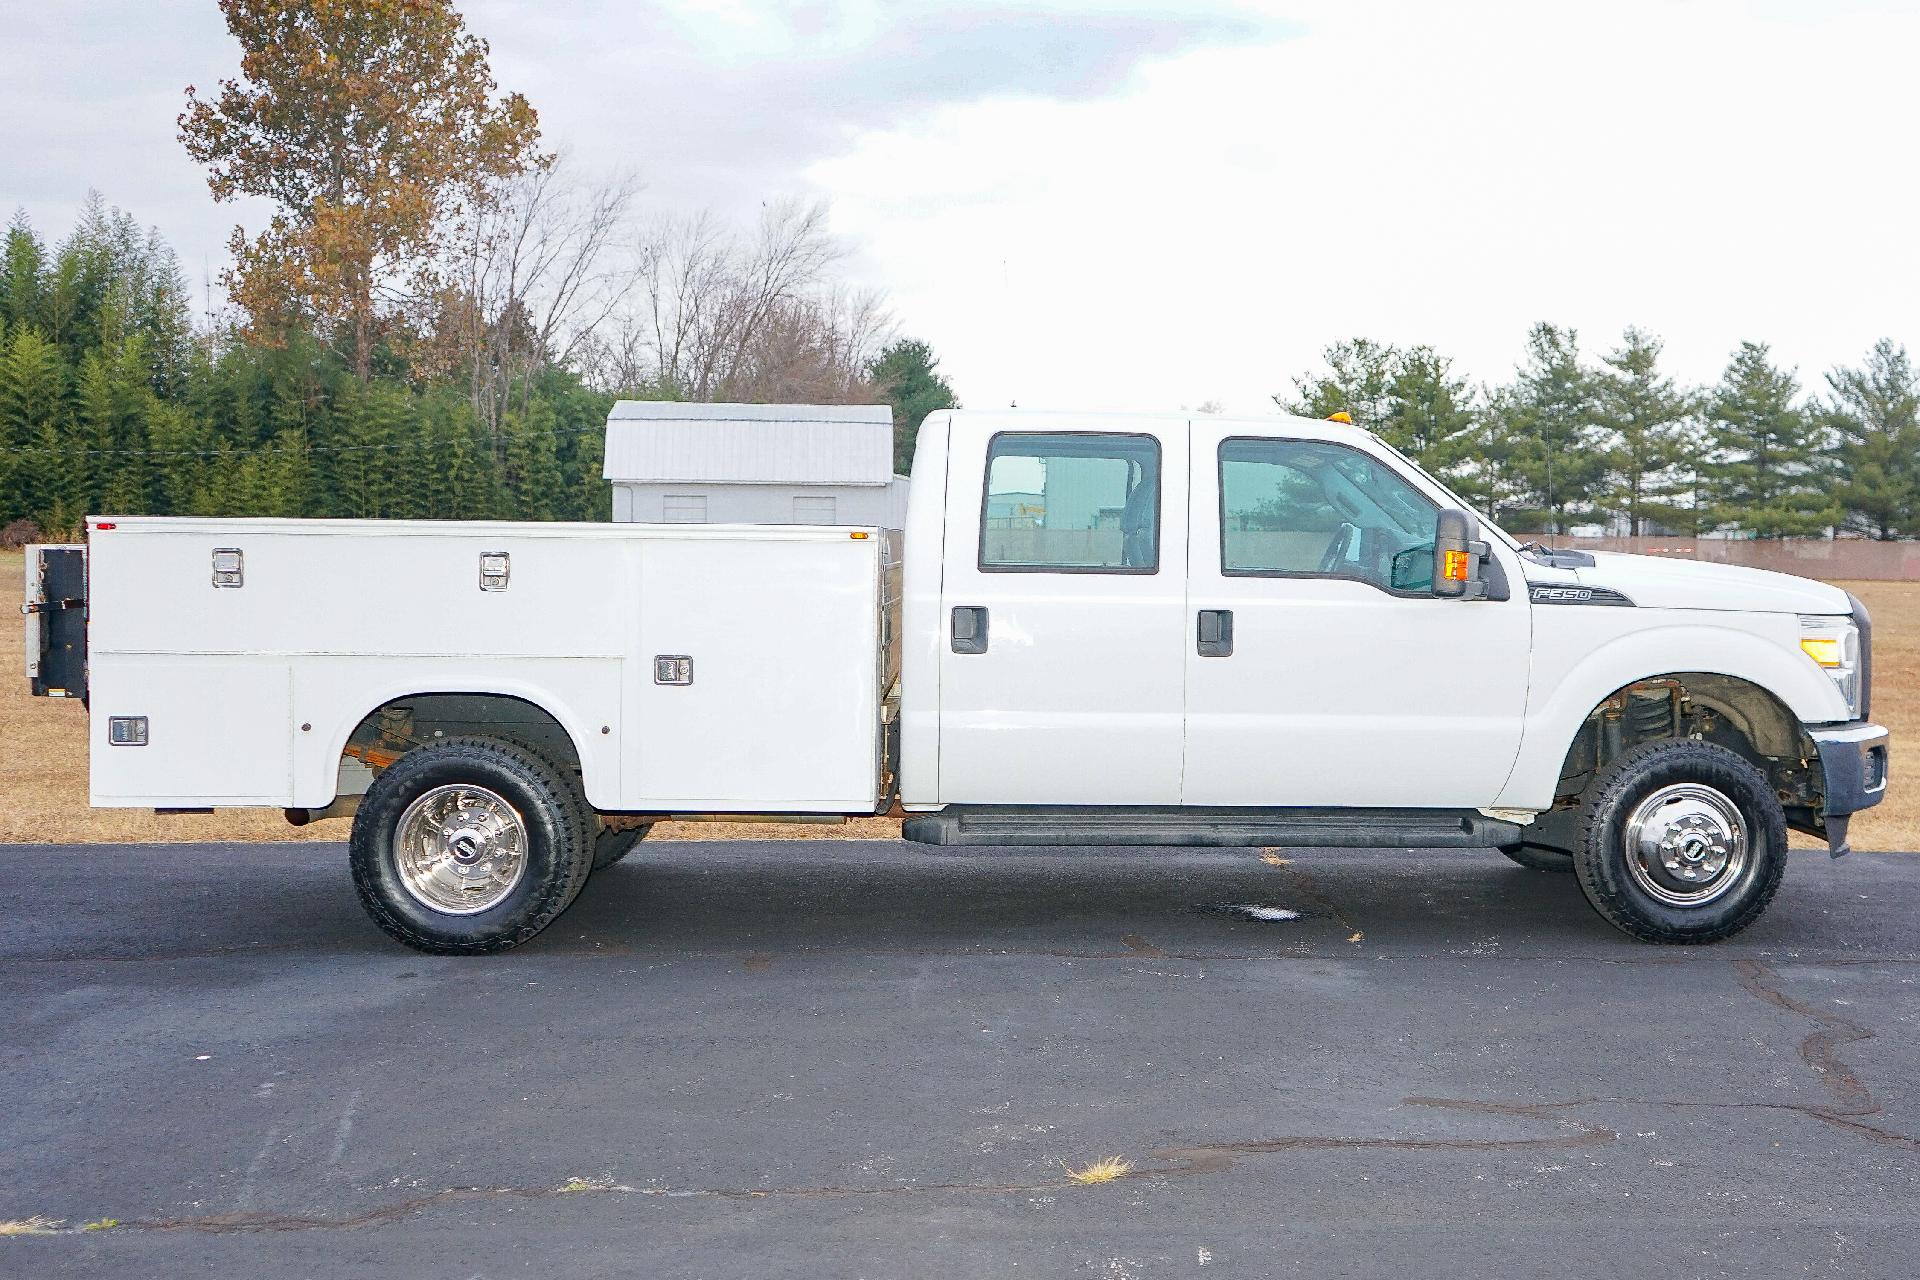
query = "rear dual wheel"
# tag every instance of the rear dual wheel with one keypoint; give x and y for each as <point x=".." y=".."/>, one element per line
<point x="612" y="845"/>
<point x="470" y="845"/>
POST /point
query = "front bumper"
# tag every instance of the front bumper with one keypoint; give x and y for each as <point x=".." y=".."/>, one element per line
<point x="1853" y="764"/>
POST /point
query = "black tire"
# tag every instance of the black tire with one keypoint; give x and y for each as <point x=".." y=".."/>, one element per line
<point x="1630" y="900"/>
<point x="1538" y="857"/>
<point x="610" y="846"/>
<point x="557" y="844"/>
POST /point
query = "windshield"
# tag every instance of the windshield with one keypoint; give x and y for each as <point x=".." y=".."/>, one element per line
<point x="1486" y="522"/>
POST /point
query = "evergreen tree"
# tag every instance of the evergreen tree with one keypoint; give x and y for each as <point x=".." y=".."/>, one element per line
<point x="1875" y="415"/>
<point x="32" y="396"/>
<point x="530" y="473"/>
<point x="1358" y="382"/>
<point x="1551" y="445"/>
<point x="908" y="375"/>
<point x="1648" y="422"/>
<point x="1431" y="416"/>
<point x="1763" y="473"/>
<point x="23" y="267"/>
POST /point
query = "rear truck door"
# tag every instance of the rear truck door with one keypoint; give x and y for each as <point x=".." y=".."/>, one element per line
<point x="1311" y="679"/>
<point x="1063" y="608"/>
<point x="56" y="620"/>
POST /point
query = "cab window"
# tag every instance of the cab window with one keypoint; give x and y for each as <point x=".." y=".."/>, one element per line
<point x="1071" y="502"/>
<point x="1307" y="508"/>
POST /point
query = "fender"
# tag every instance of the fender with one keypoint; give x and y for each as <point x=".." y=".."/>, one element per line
<point x="316" y="773"/>
<point x="1684" y="644"/>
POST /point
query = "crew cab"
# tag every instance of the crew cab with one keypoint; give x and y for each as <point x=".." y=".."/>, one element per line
<point x="1095" y="629"/>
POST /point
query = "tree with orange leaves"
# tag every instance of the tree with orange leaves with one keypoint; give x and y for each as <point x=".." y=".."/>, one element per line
<point x="374" y="125"/>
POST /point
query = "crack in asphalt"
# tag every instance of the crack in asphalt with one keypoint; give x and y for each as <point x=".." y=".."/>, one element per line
<point x="1168" y="1163"/>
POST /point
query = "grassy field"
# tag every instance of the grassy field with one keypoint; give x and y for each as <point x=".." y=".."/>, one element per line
<point x="43" y="775"/>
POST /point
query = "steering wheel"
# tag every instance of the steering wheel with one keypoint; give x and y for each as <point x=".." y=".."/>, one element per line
<point x="1347" y="535"/>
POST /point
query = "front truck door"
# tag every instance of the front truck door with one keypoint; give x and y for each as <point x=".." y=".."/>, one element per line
<point x="1063" y="607"/>
<point x="1334" y="687"/>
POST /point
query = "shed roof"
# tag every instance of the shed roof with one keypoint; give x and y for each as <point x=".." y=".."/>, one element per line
<point x="749" y="443"/>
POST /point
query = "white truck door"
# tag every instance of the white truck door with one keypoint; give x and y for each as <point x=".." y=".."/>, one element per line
<point x="1062" y="606"/>
<point x="1311" y="680"/>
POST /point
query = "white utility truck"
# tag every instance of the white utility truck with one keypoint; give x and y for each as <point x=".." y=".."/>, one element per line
<point x="1104" y="630"/>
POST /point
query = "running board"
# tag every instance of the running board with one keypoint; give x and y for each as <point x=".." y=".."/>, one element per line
<point x="1233" y="828"/>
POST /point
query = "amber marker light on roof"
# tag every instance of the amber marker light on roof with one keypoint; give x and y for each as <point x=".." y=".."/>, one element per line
<point x="858" y="535"/>
<point x="1342" y="416"/>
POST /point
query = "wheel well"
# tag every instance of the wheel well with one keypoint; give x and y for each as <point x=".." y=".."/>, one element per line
<point x="1724" y="710"/>
<point x="399" y="725"/>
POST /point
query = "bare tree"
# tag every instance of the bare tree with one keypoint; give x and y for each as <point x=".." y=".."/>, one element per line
<point x="540" y="273"/>
<point x="725" y="317"/>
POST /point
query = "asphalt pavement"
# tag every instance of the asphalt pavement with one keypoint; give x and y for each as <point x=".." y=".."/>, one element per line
<point x="827" y="1059"/>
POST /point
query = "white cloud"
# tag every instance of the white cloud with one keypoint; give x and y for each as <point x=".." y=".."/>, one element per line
<point x="1712" y="170"/>
<point x="1144" y="204"/>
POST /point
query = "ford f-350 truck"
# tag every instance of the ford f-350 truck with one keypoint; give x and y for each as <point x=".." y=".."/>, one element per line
<point x="1096" y="630"/>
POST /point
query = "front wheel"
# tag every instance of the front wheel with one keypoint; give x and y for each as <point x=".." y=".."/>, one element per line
<point x="469" y="845"/>
<point x="1684" y="842"/>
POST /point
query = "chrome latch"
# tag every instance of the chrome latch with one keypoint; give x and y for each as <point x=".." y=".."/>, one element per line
<point x="229" y="568"/>
<point x="495" y="568"/>
<point x="673" y="668"/>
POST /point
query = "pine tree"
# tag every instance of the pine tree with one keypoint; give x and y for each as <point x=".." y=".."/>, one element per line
<point x="23" y="267"/>
<point x="32" y="395"/>
<point x="908" y="375"/>
<point x="1764" y="474"/>
<point x="1431" y="416"/>
<point x="1358" y="383"/>
<point x="1875" y="415"/>
<point x="1553" y="454"/>
<point x="1648" y="421"/>
<point x="530" y="473"/>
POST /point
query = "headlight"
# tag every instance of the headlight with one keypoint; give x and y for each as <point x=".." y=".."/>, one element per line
<point x="1834" y="643"/>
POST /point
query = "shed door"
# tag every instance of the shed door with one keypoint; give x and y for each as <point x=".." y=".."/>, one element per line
<point x="684" y="508"/>
<point x="815" y="510"/>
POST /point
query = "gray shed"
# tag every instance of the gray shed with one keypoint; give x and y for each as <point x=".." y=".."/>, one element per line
<point x="753" y="464"/>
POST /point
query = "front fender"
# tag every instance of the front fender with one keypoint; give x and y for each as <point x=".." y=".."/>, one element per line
<point x="1570" y="680"/>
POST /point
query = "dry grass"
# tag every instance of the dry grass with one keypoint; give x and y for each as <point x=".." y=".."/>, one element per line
<point x="35" y="1226"/>
<point x="1111" y="1169"/>
<point x="43" y="774"/>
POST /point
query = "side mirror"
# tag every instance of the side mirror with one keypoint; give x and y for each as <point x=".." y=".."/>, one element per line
<point x="1459" y="556"/>
<point x="1412" y="569"/>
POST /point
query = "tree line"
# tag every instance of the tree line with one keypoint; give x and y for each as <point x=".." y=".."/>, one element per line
<point x="1619" y="443"/>
<point x="432" y="324"/>
<point x="441" y="308"/>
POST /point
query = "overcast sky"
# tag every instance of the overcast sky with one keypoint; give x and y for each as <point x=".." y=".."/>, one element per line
<point x="1150" y="205"/>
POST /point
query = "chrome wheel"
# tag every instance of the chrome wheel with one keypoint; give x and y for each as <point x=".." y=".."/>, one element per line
<point x="460" y="849"/>
<point x="1686" y="844"/>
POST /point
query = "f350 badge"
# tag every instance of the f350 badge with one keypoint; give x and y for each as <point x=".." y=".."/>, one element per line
<point x="1542" y="593"/>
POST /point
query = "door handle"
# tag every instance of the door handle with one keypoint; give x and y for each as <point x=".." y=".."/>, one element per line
<point x="1214" y="635"/>
<point x="969" y="628"/>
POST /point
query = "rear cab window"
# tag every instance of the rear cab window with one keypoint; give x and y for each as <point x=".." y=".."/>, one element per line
<point x="1071" y="502"/>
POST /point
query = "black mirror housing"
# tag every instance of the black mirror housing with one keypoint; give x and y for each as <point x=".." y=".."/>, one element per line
<point x="1459" y="556"/>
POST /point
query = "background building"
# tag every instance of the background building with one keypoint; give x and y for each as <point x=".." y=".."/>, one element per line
<point x="676" y="463"/>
